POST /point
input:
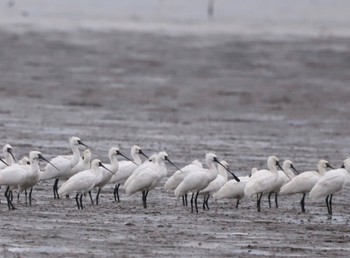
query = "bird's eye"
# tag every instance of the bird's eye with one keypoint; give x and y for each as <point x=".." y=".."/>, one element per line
<point x="100" y="163"/>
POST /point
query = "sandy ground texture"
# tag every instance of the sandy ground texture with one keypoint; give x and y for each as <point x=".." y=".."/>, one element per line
<point x="242" y="98"/>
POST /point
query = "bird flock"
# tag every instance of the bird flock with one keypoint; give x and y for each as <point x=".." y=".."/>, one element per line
<point x="81" y="175"/>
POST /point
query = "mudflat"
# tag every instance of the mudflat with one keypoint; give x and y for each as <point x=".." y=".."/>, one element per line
<point x="242" y="98"/>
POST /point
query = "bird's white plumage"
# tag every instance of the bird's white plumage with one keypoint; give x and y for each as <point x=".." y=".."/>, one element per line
<point x="263" y="181"/>
<point x="232" y="189"/>
<point x="304" y="182"/>
<point x="63" y="163"/>
<point x="199" y="178"/>
<point x="147" y="177"/>
<point x="83" y="181"/>
<point x="179" y="175"/>
<point x="112" y="167"/>
<point x="126" y="167"/>
<point x="332" y="182"/>
<point x="219" y="181"/>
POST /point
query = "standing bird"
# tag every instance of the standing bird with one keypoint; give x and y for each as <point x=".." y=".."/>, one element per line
<point x="263" y="181"/>
<point x="148" y="176"/>
<point x="332" y="182"/>
<point x="179" y="175"/>
<point x="283" y="177"/>
<point x="114" y="167"/>
<point x="199" y="179"/>
<point x="126" y="168"/>
<point x="216" y="184"/>
<point x="83" y="182"/>
<point x="232" y="189"/>
<point x="23" y="176"/>
<point x="304" y="182"/>
<point x="64" y="164"/>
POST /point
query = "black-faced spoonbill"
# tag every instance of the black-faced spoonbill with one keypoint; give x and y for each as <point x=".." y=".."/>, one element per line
<point x="23" y="176"/>
<point x="179" y="175"/>
<point x="83" y="182"/>
<point x="113" y="166"/>
<point x="283" y="177"/>
<point x="216" y="184"/>
<point x="33" y="174"/>
<point x="148" y="176"/>
<point x="199" y="179"/>
<point x="263" y="181"/>
<point x="330" y="183"/>
<point x="233" y="189"/>
<point x="64" y="164"/>
<point x="304" y="182"/>
<point x="126" y="168"/>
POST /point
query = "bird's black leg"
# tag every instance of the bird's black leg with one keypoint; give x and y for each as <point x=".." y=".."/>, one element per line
<point x="81" y="201"/>
<point x="55" y="189"/>
<point x="269" y="196"/>
<point x="116" y="192"/>
<point x="195" y="201"/>
<point x="192" y="202"/>
<point x="97" y="195"/>
<point x="302" y="203"/>
<point x="91" y="199"/>
<point x="237" y="203"/>
<point x="26" y="196"/>
<point x="276" y="199"/>
<point x="30" y="196"/>
<point x="76" y="199"/>
<point x="259" y="201"/>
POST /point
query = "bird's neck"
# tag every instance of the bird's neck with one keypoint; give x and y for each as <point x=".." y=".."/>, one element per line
<point x="114" y="162"/>
<point x="137" y="159"/>
<point x="76" y="154"/>
<point x="9" y="159"/>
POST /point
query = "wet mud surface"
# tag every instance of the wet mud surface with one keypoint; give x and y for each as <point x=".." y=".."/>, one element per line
<point x="242" y="98"/>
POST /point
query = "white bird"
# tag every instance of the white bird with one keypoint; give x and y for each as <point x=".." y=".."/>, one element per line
<point x="198" y="180"/>
<point x="179" y="176"/>
<point x="83" y="182"/>
<point x="33" y="174"/>
<point x="263" y="181"/>
<point x="233" y="189"/>
<point x="23" y="176"/>
<point x="216" y="184"/>
<point x="83" y="164"/>
<point x="304" y="182"/>
<point x="106" y="175"/>
<point x="332" y="182"/>
<point x="126" y="168"/>
<point x="64" y="164"/>
<point x="146" y="163"/>
<point x="283" y="177"/>
<point x="173" y="181"/>
<point x="8" y="156"/>
<point x="148" y="176"/>
<point x="24" y="161"/>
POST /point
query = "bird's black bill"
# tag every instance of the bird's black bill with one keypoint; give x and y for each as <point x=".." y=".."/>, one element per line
<point x="101" y="165"/>
<point x="13" y="156"/>
<point x="173" y="164"/>
<point x="234" y="176"/>
<point x="3" y="161"/>
<point x="329" y="166"/>
<point x="121" y="154"/>
<point x="41" y="157"/>
<point x="278" y="165"/>
<point x="81" y="143"/>
<point x="294" y="169"/>
<point x="142" y="153"/>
